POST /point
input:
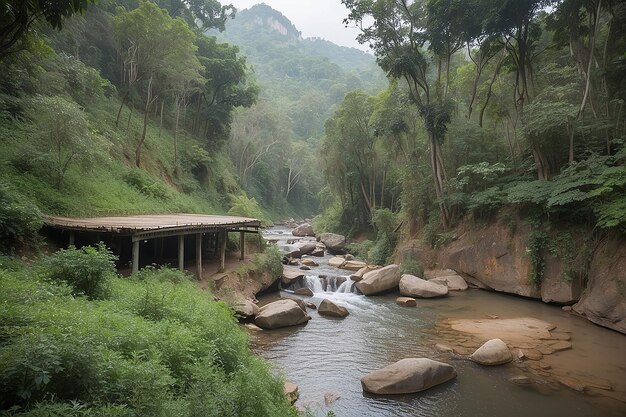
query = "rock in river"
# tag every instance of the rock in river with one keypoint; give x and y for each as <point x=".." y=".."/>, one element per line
<point x="407" y="376"/>
<point x="379" y="280"/>
<point x="281" y="313"/>
<point x="246" y="308"/>
<point x="453" y="282"/>
<point x="302" y="230"/>
<point x="328" y="308"/>
<point x="492" y="352"/>
<point x="413" y="286"/>
<point x="406" y="301"/>
<point x="291" y="275"/>
<point x="333" y="242"/>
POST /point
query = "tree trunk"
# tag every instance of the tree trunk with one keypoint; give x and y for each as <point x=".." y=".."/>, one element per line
<point x="435" y="162"/>
<point x="145" y="123"/>
<point x="496" y="71"/>
<point x="119" y="112"/>
<point x="592" y="46"/>
<point x="130" y="116"/>
<point x="161" y="121"/>
<point x="175" y="134"/>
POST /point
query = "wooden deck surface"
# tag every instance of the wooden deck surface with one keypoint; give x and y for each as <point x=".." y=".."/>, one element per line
<point x="143" y="223"/>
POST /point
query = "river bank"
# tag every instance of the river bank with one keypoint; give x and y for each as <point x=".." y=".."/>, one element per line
<point x="327" y="357"/>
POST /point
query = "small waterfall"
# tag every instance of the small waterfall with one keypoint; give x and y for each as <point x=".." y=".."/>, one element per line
<point x="319" y="284"/>
<point x="313" y="283"/>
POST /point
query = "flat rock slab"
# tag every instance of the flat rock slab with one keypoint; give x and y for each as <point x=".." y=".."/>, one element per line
<point x="514" y="332"/>
<point x="407" y="376"/>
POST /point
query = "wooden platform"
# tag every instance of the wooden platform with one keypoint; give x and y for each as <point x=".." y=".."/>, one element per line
<point x="153" y="222"/>
<point x="144" y="227"/>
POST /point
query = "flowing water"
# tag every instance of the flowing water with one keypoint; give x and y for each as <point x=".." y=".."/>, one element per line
<point x="331" y="355"/>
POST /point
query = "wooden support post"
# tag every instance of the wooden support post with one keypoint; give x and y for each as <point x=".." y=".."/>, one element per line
<point x="181" y="252"/>
<point x="199" y="254"/>
<point x="223" y="238"/>
<point x="72" y="239"/>
<point x="242" y="245"/>
<point x="135" y="256"/>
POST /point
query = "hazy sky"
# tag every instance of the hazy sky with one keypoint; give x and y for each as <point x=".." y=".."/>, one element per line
<point x="314" y="18"/>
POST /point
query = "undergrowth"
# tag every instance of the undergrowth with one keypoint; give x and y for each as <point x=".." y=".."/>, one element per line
<point x="155" y="346"/>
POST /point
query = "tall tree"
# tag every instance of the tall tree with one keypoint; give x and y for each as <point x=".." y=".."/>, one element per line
<point x="399" y="37"/>
<point x="155" y="44"/>
<point x="16" y="17"/>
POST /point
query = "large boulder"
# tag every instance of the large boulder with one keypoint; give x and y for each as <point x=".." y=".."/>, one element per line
<point x="407" y="376"/>
<point x="328" y="308"/>
<point x="333" y="242"/>
<point x="281" y="313"/>
<point x="353" y="265"/>
<point x="413" y="286"/>
<point x="358" y="275"/>
<point x="336" y="262"/>
<point x="453" y="282"/>
<point x="291" y="275"/>
<point x="492" y="352"/>
<point x="380" y="280"/>
<point x="302" y="230"/>
<point x="246" y="308"/>
<point x="302" y="249"/>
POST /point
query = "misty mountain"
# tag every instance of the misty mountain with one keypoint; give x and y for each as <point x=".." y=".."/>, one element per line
<point x="306" y="77"/>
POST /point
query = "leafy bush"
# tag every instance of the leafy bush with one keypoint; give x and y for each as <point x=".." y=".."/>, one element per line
<point x="360" y="250"/>
<point x="412" y="267"/>
<point x="162" y="274"/>
<point x="382" y="250"/>
<point x="142" y="182"/>
<point x="270" y="260"/>
<point x="20" y="220"/>
<point x="243" y="206"/>
<point x="87" y="270"/>
<point x="67" y="356"/>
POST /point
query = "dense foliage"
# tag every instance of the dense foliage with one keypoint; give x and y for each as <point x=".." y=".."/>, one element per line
<point x="156" y="345"/>
<point x="515" y="105"/>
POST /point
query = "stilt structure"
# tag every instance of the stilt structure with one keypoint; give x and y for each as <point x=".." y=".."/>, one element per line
<point x="144" y="228"/>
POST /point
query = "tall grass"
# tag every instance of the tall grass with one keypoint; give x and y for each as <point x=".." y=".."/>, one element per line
<point x="156" y="346"/>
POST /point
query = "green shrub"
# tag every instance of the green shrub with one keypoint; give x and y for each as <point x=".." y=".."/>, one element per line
<point x="68" y="356"/>
<point x="87" y="270"/>
<point x="412" y="267"/>
<point x="243" y="206"/>
<point x="20" y="220"/>
<point x="162" y="274"/>
<point x="382" y="251"/>
<point x="270" y="260"/>
<point x="360" y="250"/>
<point x="142" y="182"/>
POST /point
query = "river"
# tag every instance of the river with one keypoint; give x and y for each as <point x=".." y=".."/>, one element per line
<point x="329" y="356"/>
